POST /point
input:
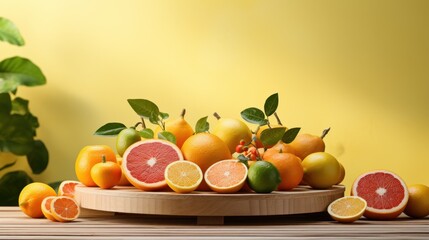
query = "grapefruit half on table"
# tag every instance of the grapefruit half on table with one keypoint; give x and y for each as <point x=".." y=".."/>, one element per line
<point x="144" y="163"/>
<point x="385" y="193"/>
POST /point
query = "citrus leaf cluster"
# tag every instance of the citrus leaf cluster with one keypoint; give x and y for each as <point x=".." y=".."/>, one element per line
<point x="269" y="136"/>
<point x="145" y="109"/>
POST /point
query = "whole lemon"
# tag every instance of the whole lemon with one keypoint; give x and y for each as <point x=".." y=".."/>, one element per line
<point x="418" y="201"/>
<point x="231" y="131"/>
<point x="321" y="170"/>
<point x="31" y="197"/>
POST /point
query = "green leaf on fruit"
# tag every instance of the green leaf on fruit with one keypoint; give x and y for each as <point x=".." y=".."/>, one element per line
<point x="110" y="129"/>
<point x="202" y="125"/>
<point x="18" y="71"/>
<point x="10" y="33"/>
<point x="271" y="136"/>
<point x="164" y="115"/>
<point x="271" y="104"/>
<point x="254" y="115"/>
<point x="290" y="134"/>
<point x="38" y="158"/>
<point x="144" y="108"/>
<point x="146" y="133"/>
<point x="167" y="136"/>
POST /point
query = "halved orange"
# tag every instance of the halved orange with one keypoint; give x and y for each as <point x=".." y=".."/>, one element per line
<point x="64" y="209"/>
<point x="226" y="176"/>
<point x="67" y="187"/>
<point x="347" y="209"/>
<point x="183" y="176"/>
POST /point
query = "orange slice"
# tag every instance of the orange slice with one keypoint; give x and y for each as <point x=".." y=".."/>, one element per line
<point x="183" y="176"/>
<point x="67" y="187"/>
<point x="64" y="209"/>
<point x="347" y="209"/>
<point x="46" y="208"/>
<point x="226" y="176"/>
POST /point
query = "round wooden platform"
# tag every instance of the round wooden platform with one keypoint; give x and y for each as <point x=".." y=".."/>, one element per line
<point x="131" y="200"/>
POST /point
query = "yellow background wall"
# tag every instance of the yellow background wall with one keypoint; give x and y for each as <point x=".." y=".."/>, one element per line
<point x="359" y="67"/>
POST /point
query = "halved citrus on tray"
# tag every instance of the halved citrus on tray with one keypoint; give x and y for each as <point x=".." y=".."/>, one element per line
<point x="385" y="193"/>
<point x="46" y="208"/>
<point x="144" y="163"/>
<point x="64" y="209"/>
<point x="67" y="188"/>
<point x="183" y="176"/>
<point x="226" y="176"/>
<point x="347" y="209"/>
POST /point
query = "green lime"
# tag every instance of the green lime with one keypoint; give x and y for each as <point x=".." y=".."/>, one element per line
<point x="125" y="138"/>
<point x="263" y="177"/>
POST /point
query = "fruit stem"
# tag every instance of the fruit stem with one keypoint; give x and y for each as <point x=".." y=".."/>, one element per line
<point x="136" y="125"/>
<point x="325" y="132"/>
<point x="217" y="116"/>
<point x="278" y="119"/>
<point x="103" y="158"/>
<point x="143" y="124"/>
<point x="183" y="113"/>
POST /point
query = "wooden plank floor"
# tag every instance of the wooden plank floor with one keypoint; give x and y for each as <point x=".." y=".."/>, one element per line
<point x="15" y="225"/>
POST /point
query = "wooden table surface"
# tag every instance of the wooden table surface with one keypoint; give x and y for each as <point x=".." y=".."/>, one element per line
<point x="15" y="225"/>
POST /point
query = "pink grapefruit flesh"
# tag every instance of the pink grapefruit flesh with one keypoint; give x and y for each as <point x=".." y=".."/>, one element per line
<point x="145" y="161"/>
<point x="385" y="193"/>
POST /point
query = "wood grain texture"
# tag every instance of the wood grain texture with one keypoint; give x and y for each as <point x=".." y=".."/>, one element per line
<point x="131" y="200"/>
<point x="15" y="225"/>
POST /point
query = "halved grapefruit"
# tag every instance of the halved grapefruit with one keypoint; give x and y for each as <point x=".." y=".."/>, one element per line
<point x="385" y="193"/>
<point x="144" y="163"/>
<point x="67" y="187"/>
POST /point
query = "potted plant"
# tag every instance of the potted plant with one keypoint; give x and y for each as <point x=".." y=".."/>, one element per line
<point x="17" y="124"/>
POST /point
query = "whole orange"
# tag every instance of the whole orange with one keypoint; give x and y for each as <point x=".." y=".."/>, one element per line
<point x="290" y="169"/>
<point x="418" y="201"/>
<point x="31" y="197"/>
<point x="106" y="174"/>
<point x="87" y="158"/>
<point x="205" y="149"/>
<point x="279" y="147"/>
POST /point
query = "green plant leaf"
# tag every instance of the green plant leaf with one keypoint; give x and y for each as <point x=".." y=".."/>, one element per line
<point x="18" y="71"/>
<point x="38" y="158"/>
<point x="167" y="136"/>
<point x="10" y="33"/>
<point x="271" y="104"/>
<point x="11" y="185"/>
<point x="154" y="118"/>
<point x="254" y="115"/>
<point x="202" y="125"/>
<point x="5" y="104"/>
<point x="8" y="165"/>
<point x="16" y="134"/>
<point x="164" y="115"/>
<point x="290" y="134"/>
<point x="20" y="107"/>
<point x="110" y="129"/>
<point x="271" y="136"/>
<point x="144" y="108"/>
<point x="146" y="133"/>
